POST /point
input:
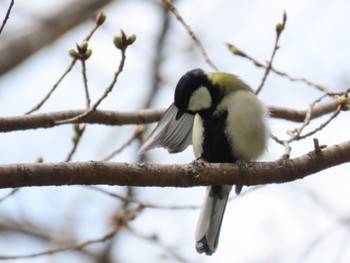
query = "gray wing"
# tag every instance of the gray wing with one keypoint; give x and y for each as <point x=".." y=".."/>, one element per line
<point x="170" y="133"/>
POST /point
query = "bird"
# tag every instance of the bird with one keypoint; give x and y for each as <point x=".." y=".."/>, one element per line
<point x="221" y="116"/>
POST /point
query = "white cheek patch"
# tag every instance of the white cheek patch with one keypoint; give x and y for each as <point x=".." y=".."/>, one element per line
<point x="200" y="100"/>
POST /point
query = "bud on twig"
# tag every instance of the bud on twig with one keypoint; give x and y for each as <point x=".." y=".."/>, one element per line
<point x="280" y="26"/>
<point x="100" y="18"/>
<point x="235" y="50"/>
<point x="82" y="47"/>
<point x="344" y="103"/>
<point x="73" y="54"/>
<point x="82" y="52"/>
<point x="131" y="39"/>
<point x="88" y="53"/>
<point x="122" y="42"/>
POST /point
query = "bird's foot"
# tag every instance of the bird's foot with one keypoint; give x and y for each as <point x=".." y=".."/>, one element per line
<point x="242" y="166"/>
<point x="198" y="160"/>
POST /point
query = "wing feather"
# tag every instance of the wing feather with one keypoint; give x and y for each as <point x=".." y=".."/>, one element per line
<point x="173" y="134"/>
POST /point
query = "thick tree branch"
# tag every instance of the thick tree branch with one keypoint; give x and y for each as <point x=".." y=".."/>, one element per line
<point x="45" y="120"/>
<point x="50" y="119"/>
<point x="186" y="175"/>
<point x="299" y="115"/>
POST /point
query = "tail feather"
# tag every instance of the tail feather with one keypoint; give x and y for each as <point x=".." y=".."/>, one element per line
<point x="210" y="218"/>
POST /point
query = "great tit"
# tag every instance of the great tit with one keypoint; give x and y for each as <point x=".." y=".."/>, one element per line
<point x="226" y="123"/>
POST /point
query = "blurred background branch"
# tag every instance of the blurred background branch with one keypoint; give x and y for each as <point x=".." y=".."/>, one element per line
<point x="106" y="223"/>
<point x="45" y="30"/>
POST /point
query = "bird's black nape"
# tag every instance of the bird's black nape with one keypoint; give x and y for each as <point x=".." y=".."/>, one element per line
<point x="187" y="84"/>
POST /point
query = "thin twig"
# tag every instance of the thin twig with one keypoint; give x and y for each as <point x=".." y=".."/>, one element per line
<point x="135" y="135"/>
<point x="144" y="203"/>
<point x="86" y="88"/>
<point x="156" y="241"/>
<point x="279" y="30"/>
<point x="7" y="16"/>
<point x="147" y="204"/>
<point x="11" y="193"/>
<point x="308" y="116"/>
<point x="285" y="144"/>
<point x="296" y="134"/>
<point x="92" y="32"/>
<point x="195" y="39"/>
<point x="76" y="139"/>
<point x="323" y="125"/>
<point x="121" y="217"/>
<point x="236" y="51"/>
<point x="38" y="106"/>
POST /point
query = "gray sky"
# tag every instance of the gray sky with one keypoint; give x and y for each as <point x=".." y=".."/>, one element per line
<point x="274" y="224"/>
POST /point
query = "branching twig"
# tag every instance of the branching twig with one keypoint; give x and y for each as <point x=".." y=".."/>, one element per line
<point x="236" y="51"/>
<point x="322" y="125"/>
<point x="195" y="39"/>
<point x="342" y="104"/>
<point x="109" y="88"/>
<point x="336" y="106"/>
<point x="307" y="118"/>
<point x="285" y="144"/>
<point x="99" y="21"/>
<point x="57" y="250"/>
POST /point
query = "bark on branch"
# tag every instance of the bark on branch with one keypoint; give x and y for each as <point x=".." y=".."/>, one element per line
<point x="186" y="175"/>
<point x="45" y="120"/>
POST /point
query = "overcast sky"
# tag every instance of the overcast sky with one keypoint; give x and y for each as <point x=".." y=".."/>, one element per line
<point x="274" y="224"/>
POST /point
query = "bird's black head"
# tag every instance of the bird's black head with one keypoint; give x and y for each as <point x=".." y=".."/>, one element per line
<point x="195" y="93"/>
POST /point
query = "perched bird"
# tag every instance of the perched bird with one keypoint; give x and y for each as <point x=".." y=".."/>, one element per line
<point x="226" y="123"/>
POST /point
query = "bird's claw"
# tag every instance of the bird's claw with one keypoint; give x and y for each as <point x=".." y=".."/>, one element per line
<point x="242" y="166"/>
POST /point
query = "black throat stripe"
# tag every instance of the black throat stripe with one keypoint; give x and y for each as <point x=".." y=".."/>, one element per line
<point x="216" y="148"/>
